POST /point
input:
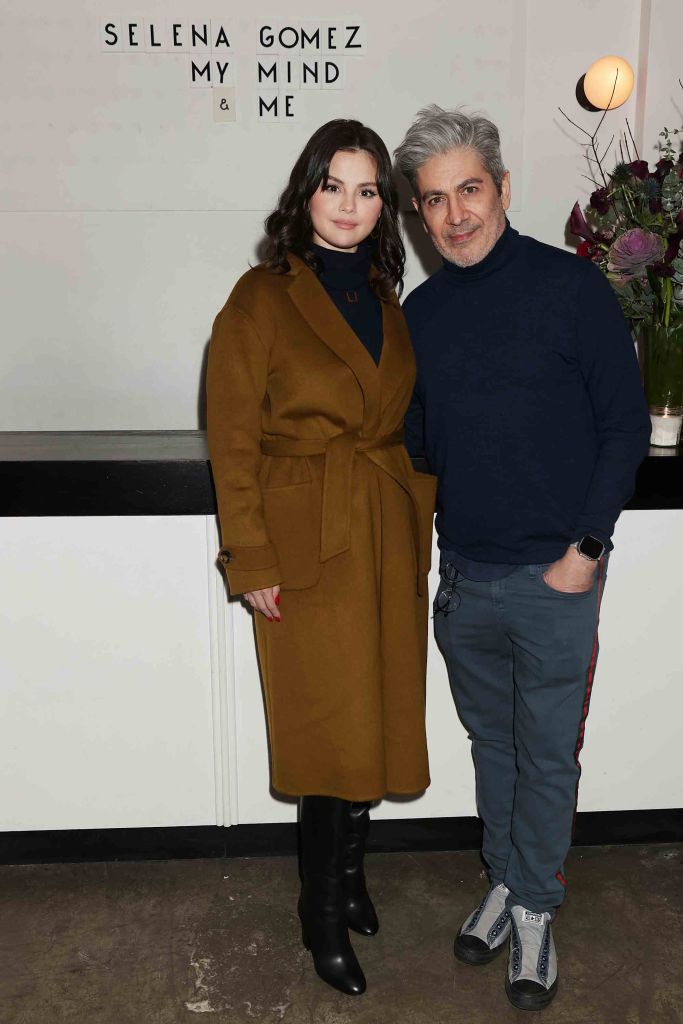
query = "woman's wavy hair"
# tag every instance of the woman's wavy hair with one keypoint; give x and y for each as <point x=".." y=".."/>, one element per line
<point x="289" y="227"/>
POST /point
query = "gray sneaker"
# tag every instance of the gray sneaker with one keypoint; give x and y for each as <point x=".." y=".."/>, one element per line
<point x="531" y="981"/>
<point x="483" y="934"/>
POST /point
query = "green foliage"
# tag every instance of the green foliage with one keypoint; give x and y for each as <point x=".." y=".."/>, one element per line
<point x="672" y="192"/>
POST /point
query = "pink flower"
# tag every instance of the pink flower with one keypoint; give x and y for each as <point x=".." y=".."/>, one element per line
<point x="633" y="252"/>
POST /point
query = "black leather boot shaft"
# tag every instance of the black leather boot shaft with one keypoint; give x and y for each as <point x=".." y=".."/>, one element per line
<point x="360" y="912"/>
<point x="324" y="822"/>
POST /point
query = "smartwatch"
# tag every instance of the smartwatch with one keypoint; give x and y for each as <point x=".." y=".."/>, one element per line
<point x="590" y="548"/>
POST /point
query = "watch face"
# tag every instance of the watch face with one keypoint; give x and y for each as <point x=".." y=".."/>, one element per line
<point x="591" y="547"/>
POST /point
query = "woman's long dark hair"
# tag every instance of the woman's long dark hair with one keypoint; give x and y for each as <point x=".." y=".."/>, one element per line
<point x="289" y="227"/>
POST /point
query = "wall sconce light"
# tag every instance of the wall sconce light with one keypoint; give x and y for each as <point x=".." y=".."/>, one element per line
<point x="607" y="84"/>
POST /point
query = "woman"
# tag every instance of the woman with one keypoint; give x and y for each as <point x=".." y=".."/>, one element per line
<point x="326" y="528"/>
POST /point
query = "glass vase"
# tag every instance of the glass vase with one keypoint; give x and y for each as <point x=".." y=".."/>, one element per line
<point x="663" y="378"/>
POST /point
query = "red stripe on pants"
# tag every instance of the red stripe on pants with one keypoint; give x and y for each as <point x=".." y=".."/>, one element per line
<point x="587" y="694"/>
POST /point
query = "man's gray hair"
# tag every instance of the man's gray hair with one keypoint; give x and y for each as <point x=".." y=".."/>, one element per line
<point x="437" y="131"/>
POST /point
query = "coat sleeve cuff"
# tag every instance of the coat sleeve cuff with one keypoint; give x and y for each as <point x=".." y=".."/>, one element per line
<point x="252" y="568"/>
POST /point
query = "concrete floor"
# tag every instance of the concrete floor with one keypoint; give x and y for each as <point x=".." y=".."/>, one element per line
<point x="163" y="942"/>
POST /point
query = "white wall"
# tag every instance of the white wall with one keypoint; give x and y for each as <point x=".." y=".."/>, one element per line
<point x="110" y="710"/>
<point x="127" y="213"/>
<point x="664" y="61"/>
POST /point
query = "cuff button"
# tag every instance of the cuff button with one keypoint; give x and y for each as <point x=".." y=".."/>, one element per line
<point x="225" y="557"/>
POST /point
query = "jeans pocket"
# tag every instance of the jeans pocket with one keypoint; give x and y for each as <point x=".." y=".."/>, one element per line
<point x="564" y="595"/>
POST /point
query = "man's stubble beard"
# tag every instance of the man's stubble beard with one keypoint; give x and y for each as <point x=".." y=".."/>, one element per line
<point x="471" y="260"/>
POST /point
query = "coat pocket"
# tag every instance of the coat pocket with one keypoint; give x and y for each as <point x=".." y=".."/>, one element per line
<point x="423" y="488"/>
<point x="292" y="514"/>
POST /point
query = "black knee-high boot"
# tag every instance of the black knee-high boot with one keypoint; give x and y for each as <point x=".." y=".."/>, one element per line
<point x="360" y="913"/>
<point x="325" y="932"/>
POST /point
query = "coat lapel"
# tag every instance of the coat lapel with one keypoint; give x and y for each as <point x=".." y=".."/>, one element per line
<point x="314" y="304"/>
<point x="397" y="366"/>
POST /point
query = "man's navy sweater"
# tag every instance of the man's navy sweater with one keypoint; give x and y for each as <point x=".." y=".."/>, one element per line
<point x="528" y="404"/>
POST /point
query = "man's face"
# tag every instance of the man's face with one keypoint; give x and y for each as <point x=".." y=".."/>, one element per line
<point x="460" y="207"/>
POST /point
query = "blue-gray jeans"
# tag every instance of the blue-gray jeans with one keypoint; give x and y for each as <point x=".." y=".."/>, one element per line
<point x="521" y="658"/>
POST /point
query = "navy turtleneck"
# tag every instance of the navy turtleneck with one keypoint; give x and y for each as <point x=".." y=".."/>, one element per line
<point x="502" y="251"/>
<point x="528" y="404"/>
<point x="345" y="276"/>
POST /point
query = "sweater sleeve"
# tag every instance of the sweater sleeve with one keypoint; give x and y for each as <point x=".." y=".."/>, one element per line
<point x="611" y="374"/>
<point x="236" y="382"/>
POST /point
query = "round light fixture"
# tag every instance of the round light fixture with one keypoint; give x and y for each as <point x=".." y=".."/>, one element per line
<point x="608" y="82"/>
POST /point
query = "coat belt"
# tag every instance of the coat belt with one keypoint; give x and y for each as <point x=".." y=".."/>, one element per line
<point x="339" y="452"/>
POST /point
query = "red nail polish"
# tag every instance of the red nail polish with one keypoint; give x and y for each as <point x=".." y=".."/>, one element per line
<point x="277" y="599"/>
<point x="270" y="618"/>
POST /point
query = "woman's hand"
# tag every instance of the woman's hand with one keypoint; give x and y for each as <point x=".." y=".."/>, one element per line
<point x="265" y="601"/>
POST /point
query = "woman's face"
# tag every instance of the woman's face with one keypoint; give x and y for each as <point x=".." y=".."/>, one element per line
<point x="345" y="210"/>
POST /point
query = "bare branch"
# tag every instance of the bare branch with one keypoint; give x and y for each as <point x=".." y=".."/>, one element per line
<point x="607" y="147"/>
<point x="574" y="123"/>
<point x="628" y="151"/>
<point x="635" y="148"/>
<point x="592" y="137"/>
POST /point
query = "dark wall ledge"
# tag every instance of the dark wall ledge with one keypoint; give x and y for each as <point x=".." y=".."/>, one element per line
<point x="167" y="473"/>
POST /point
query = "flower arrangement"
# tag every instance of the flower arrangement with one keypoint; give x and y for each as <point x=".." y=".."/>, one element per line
<point x="633" y="230"/>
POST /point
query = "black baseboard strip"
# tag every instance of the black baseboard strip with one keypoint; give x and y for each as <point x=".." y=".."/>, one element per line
<point x="593" y="828"/>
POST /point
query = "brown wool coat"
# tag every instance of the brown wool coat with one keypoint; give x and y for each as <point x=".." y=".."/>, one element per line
<point x="316" y="493"/>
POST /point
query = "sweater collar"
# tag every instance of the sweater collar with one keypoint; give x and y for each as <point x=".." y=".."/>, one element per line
<point x="343" y="269"/>
<point x="495" y="260"/>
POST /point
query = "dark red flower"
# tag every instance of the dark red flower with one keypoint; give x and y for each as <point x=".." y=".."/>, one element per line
<point x="663" y="270"/>
<point x="600" y="200"/>
<point x="672" y="248"/>
<point x="655" y="204"/>
<point x="662" y="168"/>
<point x="578" y="225"/>
<point x="639" y="169"/>
<point x="587" y="250"/>
<point x="679" y="220"/>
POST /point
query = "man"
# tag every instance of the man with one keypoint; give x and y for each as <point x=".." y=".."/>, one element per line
<point x="529" y="408"/>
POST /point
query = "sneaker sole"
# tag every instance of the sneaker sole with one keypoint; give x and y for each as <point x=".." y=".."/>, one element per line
<point x="475" y="957"/>
<point x="526" y="1001"/>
